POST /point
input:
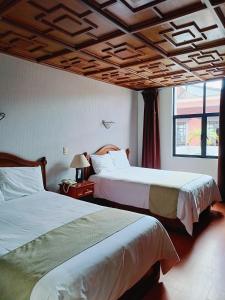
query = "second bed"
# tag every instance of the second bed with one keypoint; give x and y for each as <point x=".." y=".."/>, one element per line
<point x="169" y="194"/>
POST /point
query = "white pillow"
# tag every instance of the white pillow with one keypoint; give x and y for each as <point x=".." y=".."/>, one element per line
<point x="119" y="159"/>
<point x="102" y="163"/>
<point x="16" y="182"/>
<point x="1" y="197"/>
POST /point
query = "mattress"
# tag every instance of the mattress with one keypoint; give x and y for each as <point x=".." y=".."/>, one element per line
<point x="103" y="271"/>
<point x="131" y="186"/>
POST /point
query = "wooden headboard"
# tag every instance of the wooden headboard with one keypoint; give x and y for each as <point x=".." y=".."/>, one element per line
<point x="103" y="150"/>
<point x="11" y="160"/>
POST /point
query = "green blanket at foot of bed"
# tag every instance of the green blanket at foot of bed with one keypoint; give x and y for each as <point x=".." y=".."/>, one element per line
<point x="163" y="201"/>
<point x="23" y="267"/>
<point x="163" y="195"/>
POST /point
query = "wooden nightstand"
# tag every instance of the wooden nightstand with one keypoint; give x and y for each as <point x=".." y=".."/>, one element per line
<point x="84" y="189"/>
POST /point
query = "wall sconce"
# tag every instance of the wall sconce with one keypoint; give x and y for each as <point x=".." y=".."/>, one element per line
<point x="107" y="124"/>
<point x="2" y="116"/>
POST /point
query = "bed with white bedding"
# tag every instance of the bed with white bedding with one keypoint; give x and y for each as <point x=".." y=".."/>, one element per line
<point x="116" y="263"/>
<point x="132" y="186"/>
<point x="103" y="271"/>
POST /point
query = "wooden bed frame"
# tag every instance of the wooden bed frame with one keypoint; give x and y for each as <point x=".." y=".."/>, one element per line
<point x="174" y="224"/>
<point x="11" y="160"/>
<point x="144" y="284"/>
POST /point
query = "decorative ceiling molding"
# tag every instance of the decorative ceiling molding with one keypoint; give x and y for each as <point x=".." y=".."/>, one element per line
<point x="134" y="44"/>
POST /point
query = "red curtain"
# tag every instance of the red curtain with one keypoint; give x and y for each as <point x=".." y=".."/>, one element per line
<point x="151" y="141"/>
<point x="221" y="157"/>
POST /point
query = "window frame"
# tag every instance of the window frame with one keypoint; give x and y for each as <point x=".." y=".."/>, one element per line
<point x="203" y="116"/>
<point x="184" y="128"/>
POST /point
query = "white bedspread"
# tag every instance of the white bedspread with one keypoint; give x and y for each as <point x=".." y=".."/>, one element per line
<point x="102" y="272"/>
<point x="131" y="186"/>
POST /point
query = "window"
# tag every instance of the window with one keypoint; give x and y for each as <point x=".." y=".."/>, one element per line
<point x="181" y="132"/>
<point x="196" y="119"/>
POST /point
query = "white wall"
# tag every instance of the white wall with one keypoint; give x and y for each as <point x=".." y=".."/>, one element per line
<point x="168" y="162"/>
<point x="47" y="109"/>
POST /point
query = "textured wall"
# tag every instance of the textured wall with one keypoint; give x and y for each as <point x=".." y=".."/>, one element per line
<point x="47" y="109"/>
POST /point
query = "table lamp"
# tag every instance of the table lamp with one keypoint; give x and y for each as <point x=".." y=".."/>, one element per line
<point x="79" y="162"/>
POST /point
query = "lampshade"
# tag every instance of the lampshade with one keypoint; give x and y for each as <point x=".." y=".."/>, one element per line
<point x="79" y="161"/>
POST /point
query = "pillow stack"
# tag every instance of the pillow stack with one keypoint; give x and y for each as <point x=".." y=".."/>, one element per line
<point x="109" y="162"/>
<point x="119" y="159"/>
<point x="102" y="163"/>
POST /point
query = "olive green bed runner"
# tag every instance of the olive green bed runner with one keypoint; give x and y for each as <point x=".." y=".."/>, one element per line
<point x="23" y="267"/>
<point x="163" y="197"/>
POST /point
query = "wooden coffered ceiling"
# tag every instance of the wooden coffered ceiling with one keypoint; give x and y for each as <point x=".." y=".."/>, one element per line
<point x="132" y="43"/>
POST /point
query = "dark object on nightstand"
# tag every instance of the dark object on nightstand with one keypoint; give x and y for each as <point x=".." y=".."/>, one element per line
<point x="80" y="190"/>
<point x="79" y="162"/>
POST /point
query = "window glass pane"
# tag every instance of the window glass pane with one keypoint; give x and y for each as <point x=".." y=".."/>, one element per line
<point x="188" y="99"/>
<point x="212" y="136"/>
<point x="188" y="136"/>
<point x="213" y="95"/>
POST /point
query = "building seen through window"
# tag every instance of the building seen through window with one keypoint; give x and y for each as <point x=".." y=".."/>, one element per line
<point x="196" y="119"/>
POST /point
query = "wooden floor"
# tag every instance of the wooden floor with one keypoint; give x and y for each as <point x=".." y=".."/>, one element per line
<point x="200" y="275"/>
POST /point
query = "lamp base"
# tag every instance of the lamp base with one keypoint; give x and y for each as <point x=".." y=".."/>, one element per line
<point x="79" y="175"/>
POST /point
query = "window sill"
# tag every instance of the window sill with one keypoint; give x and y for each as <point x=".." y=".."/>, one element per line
<point x="195" y="156"/>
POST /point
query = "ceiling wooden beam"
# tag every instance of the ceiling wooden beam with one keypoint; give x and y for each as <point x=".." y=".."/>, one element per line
<point x="205" y="46"/>
<point x="86" y="44"/>
<point x="118" y="67"/>
<point x="217" y="2"/>
<point x="17" y="55"/>
<point x="54" y="55"/>
<point x="91" y="73"/>
<point x="215" y="15"/>
<point x="124" y="30"/>
<point x="141" y="7"/>
<point x="36" y="32"/>
<point x="101" y="39"/>
<point x="124" y="65"/>
<point x="167" y="74"/>
<point x="172" y="85"/>
<point x="68" y="47"/>
<point x="163" y="54"/>
<point x="168" y="17"/>
<point x="138" y="36"/>
<point x="139" y="62"/>
<point x="98" y="58"/>
<point x="209" y="66"/>
<point x="7" y="5"/>
<point x="111" y="69"/>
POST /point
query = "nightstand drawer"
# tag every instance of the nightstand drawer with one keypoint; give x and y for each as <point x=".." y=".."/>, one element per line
<point x="79" y="190"/>
<point x="88" y="190"/>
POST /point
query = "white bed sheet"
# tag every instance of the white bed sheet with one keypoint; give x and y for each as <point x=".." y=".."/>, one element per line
<point x="131" y="186"/>
<point x="102" y="272"/>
